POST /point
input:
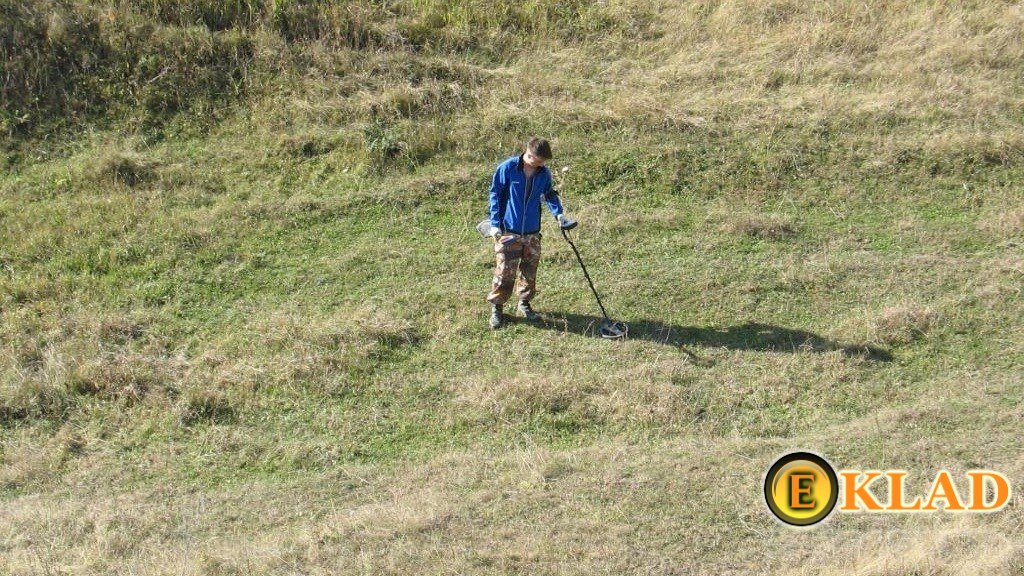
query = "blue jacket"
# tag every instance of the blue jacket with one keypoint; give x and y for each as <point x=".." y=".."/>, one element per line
<point x="512" y="208"/>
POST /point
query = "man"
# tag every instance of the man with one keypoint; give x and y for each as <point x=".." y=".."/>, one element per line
<point x="518" y="185"/>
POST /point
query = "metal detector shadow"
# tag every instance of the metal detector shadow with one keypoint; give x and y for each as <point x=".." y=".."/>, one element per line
<point x="751" y="336"/>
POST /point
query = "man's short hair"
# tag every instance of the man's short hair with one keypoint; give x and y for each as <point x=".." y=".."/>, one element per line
<point x="539" y="147"/>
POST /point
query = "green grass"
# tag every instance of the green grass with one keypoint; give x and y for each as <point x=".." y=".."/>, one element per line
<point x="242" y="315"/>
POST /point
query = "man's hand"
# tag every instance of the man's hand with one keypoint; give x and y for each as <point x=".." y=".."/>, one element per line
<point x="495" y="233"/>
<point x="566" y="223"/>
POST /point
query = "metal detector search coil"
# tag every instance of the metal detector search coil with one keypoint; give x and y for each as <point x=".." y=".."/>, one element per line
<point x="614" y="330"/>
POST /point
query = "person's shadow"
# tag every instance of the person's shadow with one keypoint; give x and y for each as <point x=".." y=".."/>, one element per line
<point x="749" y="336"/>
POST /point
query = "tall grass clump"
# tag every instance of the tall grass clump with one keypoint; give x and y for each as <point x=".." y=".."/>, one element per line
<point x="73" y="63"/>
<point x="141" y="65"/>
<point x="215" y="15"/>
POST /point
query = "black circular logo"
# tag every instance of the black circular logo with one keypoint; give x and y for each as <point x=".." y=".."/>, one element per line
<point x="801" y="488"/>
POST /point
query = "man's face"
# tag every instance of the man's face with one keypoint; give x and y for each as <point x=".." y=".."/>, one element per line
<point x="532" y="160"/>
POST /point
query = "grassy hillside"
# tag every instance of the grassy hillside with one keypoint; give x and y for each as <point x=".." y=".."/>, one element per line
<point x="242" y="303"/>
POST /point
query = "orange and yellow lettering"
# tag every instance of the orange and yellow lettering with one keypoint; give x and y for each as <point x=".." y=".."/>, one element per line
<point x="854" y="492"/>
<point x="1002" y="491"/>
<point x="896" y="494"/>
<point x="801" y="484"/>
<point x="943" y="489"/>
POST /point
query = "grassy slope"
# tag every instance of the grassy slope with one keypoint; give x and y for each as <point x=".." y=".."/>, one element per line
<point x="262" y="349"/>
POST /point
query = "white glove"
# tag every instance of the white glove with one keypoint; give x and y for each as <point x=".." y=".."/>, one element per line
<point x="566" y="223"/>
<point x="495" y="232"/>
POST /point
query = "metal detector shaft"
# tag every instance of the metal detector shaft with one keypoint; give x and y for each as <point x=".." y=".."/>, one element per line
<point x="565" y="234"/>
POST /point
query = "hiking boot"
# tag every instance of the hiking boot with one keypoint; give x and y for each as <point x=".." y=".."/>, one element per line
<point x="496" y="319"/>
<point x="527" y="312"/>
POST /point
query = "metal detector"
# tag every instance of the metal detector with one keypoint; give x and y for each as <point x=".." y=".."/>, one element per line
<point x="609" y="329"/>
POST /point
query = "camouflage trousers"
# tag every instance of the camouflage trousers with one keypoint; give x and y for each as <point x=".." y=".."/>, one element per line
<point x="515" y="254"/>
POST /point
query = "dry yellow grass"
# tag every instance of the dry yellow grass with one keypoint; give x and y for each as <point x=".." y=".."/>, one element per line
<point x="613" y="507"/>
